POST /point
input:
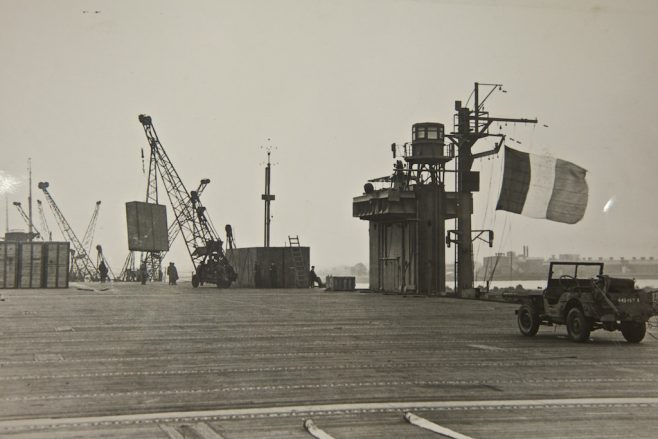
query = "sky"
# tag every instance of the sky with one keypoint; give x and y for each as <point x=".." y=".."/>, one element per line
<point x="332" y="84"/>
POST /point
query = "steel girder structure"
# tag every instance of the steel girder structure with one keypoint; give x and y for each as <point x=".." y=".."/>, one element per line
<point x="26" y="218"/>
<point x="201" y="239"/>
<point x="84" y="267"/>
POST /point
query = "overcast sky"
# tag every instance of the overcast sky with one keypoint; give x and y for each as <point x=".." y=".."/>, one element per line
<point x="333" y="84"/>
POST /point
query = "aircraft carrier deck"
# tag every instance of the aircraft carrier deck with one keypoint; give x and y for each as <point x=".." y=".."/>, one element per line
<point x="172" y="362"/>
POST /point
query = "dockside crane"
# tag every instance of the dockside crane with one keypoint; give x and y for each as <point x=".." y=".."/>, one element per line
<point x="35" y="233"/>
<point x="154" y="260"/>
<point x="84" y="267"/>
<point x="201" y="239"/>
<point x="100" y="256"/>
<point x="44" y="223"/>
<point x="91" y="229"/>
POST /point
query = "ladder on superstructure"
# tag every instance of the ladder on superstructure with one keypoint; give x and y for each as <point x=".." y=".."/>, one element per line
<point x="301" y="276"/>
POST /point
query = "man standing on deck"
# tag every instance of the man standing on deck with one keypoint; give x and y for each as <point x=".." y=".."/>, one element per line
<point x="143" y="273"/>
<point x="102" y="270"/>
<point x="172" y="273"/>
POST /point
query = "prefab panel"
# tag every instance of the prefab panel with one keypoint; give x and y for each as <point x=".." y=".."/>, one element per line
<point x="30" y="271"/>
<point x="267" y="267"/>
<point x="147" y="227"/>
<point x="8" y="264"/>
<point x="244" y="263"/>
<point x="56" y="257"/>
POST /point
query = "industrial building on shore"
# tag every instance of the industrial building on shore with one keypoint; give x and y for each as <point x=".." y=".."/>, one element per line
<point x="513" y="266"/>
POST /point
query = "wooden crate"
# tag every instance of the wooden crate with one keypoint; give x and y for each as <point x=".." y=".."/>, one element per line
<point x="8" y="264"/>
<point x="30" y="265"/>
<point x="56" y="260"/>
<point x="341" y="283"/>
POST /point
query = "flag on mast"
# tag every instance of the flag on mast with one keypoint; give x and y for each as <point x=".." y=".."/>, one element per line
<point x="543" y="187"/>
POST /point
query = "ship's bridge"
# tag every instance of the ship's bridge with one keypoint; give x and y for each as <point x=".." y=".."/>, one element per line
<point x="428" y="145"/>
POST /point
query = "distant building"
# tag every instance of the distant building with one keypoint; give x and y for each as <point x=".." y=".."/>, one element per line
<point x="512" y="266"/>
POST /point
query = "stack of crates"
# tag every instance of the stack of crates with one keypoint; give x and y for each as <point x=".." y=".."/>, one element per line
<point x="34" y="264"/>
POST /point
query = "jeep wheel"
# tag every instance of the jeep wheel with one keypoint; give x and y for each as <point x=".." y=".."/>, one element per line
<point x="578" y="326"/>
<point x="633" y="332"/>
<point x="528" y="321"/>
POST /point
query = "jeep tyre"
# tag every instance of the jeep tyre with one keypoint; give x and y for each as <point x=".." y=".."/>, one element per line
<point x="528" y="321"/>
<point x="578" y="326"/>
<point x="633" y="332"/>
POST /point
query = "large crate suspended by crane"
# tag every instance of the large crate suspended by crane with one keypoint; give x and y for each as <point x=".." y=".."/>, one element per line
<point x="147" y="227"/>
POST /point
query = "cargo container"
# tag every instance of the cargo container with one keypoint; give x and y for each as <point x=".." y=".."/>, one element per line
<point x="34" y="264"/>
<point x="147" y="227"/>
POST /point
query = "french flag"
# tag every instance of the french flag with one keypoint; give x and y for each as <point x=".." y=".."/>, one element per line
<point x="543" y="187"/>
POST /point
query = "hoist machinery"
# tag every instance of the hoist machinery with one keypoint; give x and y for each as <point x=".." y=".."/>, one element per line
<point x="201" y="239"/>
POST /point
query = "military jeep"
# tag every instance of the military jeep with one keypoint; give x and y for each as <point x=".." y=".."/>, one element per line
<point x="581" y="297"/>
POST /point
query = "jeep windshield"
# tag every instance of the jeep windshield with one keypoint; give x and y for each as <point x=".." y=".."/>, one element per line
<point x="578" y="270"/>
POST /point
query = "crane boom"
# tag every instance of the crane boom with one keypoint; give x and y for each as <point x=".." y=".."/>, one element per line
<point x="153" y="259"/>
<point x="27" y="219"/>
<point x="91" y="229"/>
<point x="203" y="244"/>
<point x="44" y="223"/>
<point x="84" y="267"/>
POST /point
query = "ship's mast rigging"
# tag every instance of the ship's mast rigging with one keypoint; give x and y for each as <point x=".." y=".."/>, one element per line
<point x="471" y="125"/>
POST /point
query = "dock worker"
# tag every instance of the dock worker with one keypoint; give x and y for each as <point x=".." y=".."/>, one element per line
<point x="172" y="273"/>
<point x="102" y="270"/>
<point x="313" y="278"/>
<point x="143" y="272"/>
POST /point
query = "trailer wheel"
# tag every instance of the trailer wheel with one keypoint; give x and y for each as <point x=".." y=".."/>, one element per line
<point x="195" y="281"/>
<point x="578" y="326"/>
<point x="528" y="321"/>
<point x="633" y="332"/>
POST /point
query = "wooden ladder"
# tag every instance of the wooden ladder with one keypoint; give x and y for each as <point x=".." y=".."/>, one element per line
<point x="301" y="276"/>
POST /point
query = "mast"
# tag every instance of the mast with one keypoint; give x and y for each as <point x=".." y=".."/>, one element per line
<point x="268" y="198"/>
<point x="471" y="125"/>
<point x="29" y="200"/>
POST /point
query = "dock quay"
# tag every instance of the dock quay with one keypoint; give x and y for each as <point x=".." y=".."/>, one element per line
<point x="155" y="361"/>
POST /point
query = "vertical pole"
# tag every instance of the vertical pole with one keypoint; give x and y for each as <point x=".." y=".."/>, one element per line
<point x="29" y="198"/>
<point x="6" y="213"/>
<point x="440" y="235"/>
<point x="477" y="108"/>
<point x="267" y="202"/>
<point x="464" y="244"/>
